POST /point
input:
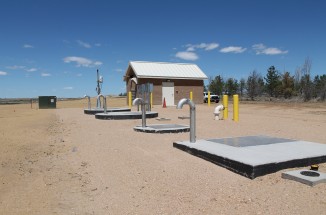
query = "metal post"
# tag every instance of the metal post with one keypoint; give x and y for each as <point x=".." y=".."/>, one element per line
<point x="190" y="96"/>
<point x="209" y="99"/>
<point x="129" y="99"/>
<point x="225" y="104"/>
<point x="151" y="100"/>
<point x="236" y="108"/>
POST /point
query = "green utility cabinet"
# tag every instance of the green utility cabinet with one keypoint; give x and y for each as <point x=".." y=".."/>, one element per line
<point x="46" y="102"/>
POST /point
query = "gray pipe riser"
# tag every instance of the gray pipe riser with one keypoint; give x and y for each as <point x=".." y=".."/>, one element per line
<point x="193" y="125"/>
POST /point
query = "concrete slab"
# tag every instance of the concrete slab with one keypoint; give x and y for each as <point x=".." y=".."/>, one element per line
<point x="163" y="128"/>
<point x="124" y="115"/>
<point x="252" y="159"/>
<point x="304" y="176"/>
<point x="101" y="110"/>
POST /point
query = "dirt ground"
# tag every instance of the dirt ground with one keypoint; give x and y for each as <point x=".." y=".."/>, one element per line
<point x="61" y="161"/>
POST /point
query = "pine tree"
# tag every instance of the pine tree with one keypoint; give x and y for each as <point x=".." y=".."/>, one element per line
<point x="272" y="81"/>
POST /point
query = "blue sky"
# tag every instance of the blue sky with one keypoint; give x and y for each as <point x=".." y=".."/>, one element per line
<point x="54" y="47"/>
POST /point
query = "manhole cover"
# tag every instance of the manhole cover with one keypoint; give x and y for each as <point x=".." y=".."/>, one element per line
<point x="309" y="173"/>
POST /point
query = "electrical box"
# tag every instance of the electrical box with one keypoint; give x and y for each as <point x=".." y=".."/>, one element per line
<point x="47" y="102"/>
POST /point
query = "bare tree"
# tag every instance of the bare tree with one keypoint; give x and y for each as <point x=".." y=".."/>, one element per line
<point x="254" y="87"/>
<point x="306" y="83"/>
<point x="242" y="86"/>
<point x="297" y="80"/>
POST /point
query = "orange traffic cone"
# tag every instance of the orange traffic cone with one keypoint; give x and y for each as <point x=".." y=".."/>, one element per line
<point x="164" y="104"/>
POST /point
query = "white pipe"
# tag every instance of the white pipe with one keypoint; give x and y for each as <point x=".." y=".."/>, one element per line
<point x="217" y="111"/>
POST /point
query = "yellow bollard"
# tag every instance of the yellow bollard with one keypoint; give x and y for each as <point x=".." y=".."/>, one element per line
<point x="151" y="98"/>
<point x="236" y="108"/>
<point x="190" y="96"/>
<point x="209" y="98"/>
<point x="225" y="104"/>
<point x="129" y="99"/>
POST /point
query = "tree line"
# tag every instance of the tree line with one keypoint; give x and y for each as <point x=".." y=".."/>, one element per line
<point x="273" y="84"/>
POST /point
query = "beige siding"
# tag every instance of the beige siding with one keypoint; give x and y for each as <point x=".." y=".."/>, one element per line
<point x="182" y="89"/>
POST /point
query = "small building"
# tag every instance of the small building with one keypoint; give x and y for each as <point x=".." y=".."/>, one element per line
<point x="47" y="102"/>
<point x="171" y="81"/>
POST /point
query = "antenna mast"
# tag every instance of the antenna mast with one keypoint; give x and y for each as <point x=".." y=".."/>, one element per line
<point x="98" y="89"/>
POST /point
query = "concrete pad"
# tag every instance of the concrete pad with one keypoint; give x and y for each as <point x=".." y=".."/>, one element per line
<point x="124" y="115"/>
<point x="101" y="110"/>
<point x="163" y="128"/>
<point x="251" y="159"/>
<point x="304" y="176"/>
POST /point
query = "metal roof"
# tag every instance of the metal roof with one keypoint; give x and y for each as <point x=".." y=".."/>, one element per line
<point x="143" y="69"/>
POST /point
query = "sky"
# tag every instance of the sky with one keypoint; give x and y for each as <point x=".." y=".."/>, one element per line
<point x="54" y="47"/>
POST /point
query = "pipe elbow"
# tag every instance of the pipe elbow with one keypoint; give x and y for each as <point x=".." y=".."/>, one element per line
<point x="186" y="101"/>
<point x="181" y="103"/>
<point x="137" y="101"/>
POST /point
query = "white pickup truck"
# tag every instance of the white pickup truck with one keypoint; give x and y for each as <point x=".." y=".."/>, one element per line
<point x="213" y="98"/>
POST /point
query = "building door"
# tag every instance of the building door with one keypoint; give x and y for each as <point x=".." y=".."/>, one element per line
<point x="168" y="93"/>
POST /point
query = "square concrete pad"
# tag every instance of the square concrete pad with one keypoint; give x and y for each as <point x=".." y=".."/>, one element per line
<point x="256" y="156"/>
<point x="312" y="178"/>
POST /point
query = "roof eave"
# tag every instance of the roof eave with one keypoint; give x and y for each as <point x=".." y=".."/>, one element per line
<point x="167" y="77"/>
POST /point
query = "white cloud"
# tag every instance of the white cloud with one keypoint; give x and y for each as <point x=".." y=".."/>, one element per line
<point x="45" y="74"/>
<point x="233" y="49"/>
<point x="98" y="44"/>
<point x="262" y="49"/>
<point x="98" y="63"/>
<point x="190" y="49"/>
<point x="68" y="88"/>
<point x="119" y="70"/>
<point x="187" y="55"/>
<point x="81" y="61"/>
<point x="211" y="46"/>
<point x="28" y="46"/>
<point x="3" y="73"/>
<point x="79" y="75"/>
<point x="205" y="46"/>
<point x="84" y="44"/>
<point x="31" y="70"/>
<point x="15" y="67"/>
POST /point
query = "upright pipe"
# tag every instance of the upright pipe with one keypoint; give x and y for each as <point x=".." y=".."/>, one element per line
<point x="192" y="117"/>
<point x="98" y="101"/>
<point x="209" y="98"/>
<point x="104" y="102"/>
<point x="89" y="101"/>
<point x="190" y="96"/>
<point x="140" y="101"/>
